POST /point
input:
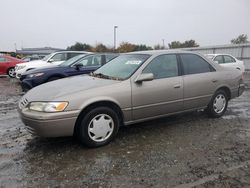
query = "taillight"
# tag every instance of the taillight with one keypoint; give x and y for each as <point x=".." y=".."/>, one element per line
<point x="241" y="79"/>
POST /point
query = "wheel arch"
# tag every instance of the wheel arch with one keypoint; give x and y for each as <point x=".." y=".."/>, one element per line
<point x="7" y="70"/>
<point x="106" y="103"/>
<point x="227" y="90"/>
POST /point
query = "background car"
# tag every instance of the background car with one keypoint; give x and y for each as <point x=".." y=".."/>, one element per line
<point x="31" y="58"/>
<point x="7" y="65"/>
<point x="81" y="64"/>
<point x="49" y="60"/>
<point x="227" y="61"/>
<point x="131" y="88"/>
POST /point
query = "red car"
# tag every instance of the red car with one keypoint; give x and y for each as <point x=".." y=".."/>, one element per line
<point x="7" y="65"/>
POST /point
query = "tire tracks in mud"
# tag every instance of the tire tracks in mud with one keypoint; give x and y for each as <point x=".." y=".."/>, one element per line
<point x="213" y="177"/>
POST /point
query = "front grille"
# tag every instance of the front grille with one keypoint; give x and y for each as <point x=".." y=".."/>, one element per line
<point x="23" y="103"/>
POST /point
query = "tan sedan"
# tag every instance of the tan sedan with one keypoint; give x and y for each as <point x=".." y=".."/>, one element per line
<point x="131" y="88"/>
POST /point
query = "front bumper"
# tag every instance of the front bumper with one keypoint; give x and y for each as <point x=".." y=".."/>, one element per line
<point x="57" y="124"/>
<point x="29" y="83"/>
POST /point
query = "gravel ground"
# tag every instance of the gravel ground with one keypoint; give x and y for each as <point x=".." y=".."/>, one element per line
<point x="189" y="150"/>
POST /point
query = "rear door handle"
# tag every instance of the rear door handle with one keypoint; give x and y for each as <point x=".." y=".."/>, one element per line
<point x="177" y="86"/>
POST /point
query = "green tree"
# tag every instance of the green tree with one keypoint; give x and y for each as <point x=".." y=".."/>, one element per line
<point x="80" y="47"/>
<point x="158" y="47"/>
<point x="241" y="39"/>
<point x="190" y="43"/>
<point x="175" y="44"/>
<point x="126" y="47"/>
<point x="142" y="47"/>
<point x="101" y="48"/>
<point x="186" y="44"/>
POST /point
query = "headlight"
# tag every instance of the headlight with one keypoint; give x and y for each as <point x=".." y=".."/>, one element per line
<point x="35" y="75"/>
<point x="48" y="106"/>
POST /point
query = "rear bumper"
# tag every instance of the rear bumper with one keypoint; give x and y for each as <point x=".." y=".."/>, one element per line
<point x="241" y="89"/>
<point x="238" y="91"/>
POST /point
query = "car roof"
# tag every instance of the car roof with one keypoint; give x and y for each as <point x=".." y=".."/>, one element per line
<point x="66" y="51"/>
<point x="218" y="54"/>
<point x="159" y="52"/>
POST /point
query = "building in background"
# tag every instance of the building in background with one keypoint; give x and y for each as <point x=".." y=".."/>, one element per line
<point x="37" y="51"/>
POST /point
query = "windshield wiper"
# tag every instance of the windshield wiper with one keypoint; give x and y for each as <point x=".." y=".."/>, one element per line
<point x="100" y="75"/>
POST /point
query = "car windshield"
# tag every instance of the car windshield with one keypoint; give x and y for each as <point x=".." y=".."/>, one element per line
<point x="72" y="60"/>
<point x="210" y="56"/>
<point x="121" y="67"/>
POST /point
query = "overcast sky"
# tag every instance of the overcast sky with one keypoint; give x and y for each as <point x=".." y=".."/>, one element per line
<point x="60" y="23"/>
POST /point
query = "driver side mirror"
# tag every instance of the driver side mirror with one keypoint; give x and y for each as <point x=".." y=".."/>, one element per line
<point x="78" y="66"/>
<point x="144" y="77"/>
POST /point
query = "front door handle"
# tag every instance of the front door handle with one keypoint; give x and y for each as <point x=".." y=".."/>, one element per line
<point x="214" y="81"/>
<point x="177" y="86"/>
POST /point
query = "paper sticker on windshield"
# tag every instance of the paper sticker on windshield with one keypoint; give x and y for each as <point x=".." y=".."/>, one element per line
<point x="133" y="62"/>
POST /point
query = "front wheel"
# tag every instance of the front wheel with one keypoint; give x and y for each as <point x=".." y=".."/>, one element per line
<point x="98" y="127"/>
<point x="11" y="72"/>
<point x="218" y="104"/>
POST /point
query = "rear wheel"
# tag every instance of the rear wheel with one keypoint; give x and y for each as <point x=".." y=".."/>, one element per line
<point x="11" y="72"/>
<point x="98" y="127"/>
<point x="218" y="104"/>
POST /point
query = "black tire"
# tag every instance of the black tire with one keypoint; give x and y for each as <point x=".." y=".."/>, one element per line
<point x="53" y="78"/>
<point x="10" y="72"/>
<point x="84" y="124"/>
<point x="211" y="110"/>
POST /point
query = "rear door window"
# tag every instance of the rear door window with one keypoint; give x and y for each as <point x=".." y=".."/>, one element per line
<point x="194" y="64"/>
<point x="228" y="59"/>
<point x="91" y="61"/>
<point x="59" y="57"/>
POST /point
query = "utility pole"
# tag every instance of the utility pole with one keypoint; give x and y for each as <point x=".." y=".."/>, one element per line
<point x="163" y="43"/>
<point x="115" y="27"/>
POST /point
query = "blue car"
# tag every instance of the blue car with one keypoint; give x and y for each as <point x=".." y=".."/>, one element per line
<point x="81" y="64"/>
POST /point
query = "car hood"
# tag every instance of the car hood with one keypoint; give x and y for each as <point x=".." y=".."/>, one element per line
<point x="43" y="69"/>
<point x="51" y="91"/>
<point x="34" y="62"/>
